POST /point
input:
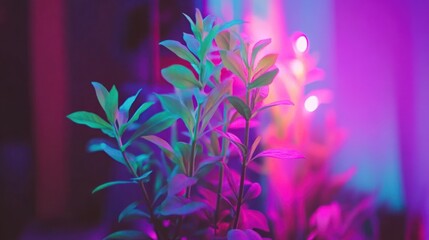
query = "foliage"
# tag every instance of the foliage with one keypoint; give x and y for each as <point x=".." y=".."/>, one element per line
<point x="198" y="191"/>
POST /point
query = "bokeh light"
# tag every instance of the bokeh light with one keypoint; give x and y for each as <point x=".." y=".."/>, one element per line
<point x="311" y="103"/>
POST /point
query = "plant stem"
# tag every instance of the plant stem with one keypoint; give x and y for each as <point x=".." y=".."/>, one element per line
<point x="243" y="167"/>
<point x="160" y="233"/>
<point x="191" y="166"/>
<point x="225" y="143"/>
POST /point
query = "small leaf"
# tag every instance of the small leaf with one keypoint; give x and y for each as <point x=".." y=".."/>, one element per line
<point x="143" y="177"/>
<point x="251" y="219"/>
<point x="199" y="20"/>
<point x="155" y="124"/>
<point x="229" y="24"/>
<point x="92" y="120"/>
<point x="273" y="104"/>
<point x="101" y="93"/>
<point x="279" y="154"/>
<point x="223" y="40"/>
<point x="125" y="107"/>
<point x="112" y="152"/>
<point x="179" y="183"/>
<point x="135" y="116"/>
<point x="213" y="100"/>
<point x="208" y="22"/>
<point x="206" y="165"/>
<point x="112" y="104"/>
<point x="258" y="47"/>
<point x="172" y="104"/>
<point x="175" y="205"/>
<point x="235" y="140"/>
<point x="254" y="146"/>
<point x="180" y="76"/>
<point x="192" y="43"/>
<point x="233" y="63"/>
<point x="240" y="106"/>
<point x="131" y="212"/>
<point x="127" y="235"/>
<point x="253" y="192"/>
<point x="161" y="143"/>
<point x="180" y="50"/>
<point x="194" y="28"/>
<point x="109" y="184"/>
<point x="264" y="64"/>
<point x="265" y="79"/>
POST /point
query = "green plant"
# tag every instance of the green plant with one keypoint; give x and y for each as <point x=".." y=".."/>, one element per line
<point x="183" y="184"/>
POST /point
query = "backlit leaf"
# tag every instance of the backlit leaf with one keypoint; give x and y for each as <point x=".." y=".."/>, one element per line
<point x="173" y="105"/>
<point x="175" y="205"/>
<point x="155" y="124"/>
<point x="213" y="100"/>
<point x="109" y="184"/>
<point x="264" y="64"/>
<point x="253" y="219"/>
<point x="112" y="104"/>
<point x="179" y="183"/>
<point x="233" y="63"/>
<point x="208" y="22"/>
<point x="240" y="106"/>
<point x="258" y="47"/>
<point x="265" y="79"/>
<point x="91" y="120"/>
<point x="180" y="50"/>
<point x="125" y="107"/>
<point x="131" y="212"/>
<point x="192" y="43"/>
<point x="279" y="154"/>
<point x="101" y="93"/>
<point x="180" y="76"/>
<point x="253" y="192"/>
<point x="161" y="143"/>
<point x="112" y="152"/>
<point x="135" y="116"/>
<point x="194" y="28"/>
<point x="144" y="177"/>
<point x="254" y="145"/>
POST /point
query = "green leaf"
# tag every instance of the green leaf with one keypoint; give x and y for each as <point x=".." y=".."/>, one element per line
<point x="175" y="205"/>
<point x="264" y="64"/>
<point x="233" y="63"/>
<point x="229" y="24"/>
<point x="127" y="235"/>
<point x="112" y="105"/>
<point x="180" y="50"/>
<point x="114" y="153"/>
<point x="109" y="184"/>
<point x="258" y="47"/>
<point x="102" y="94"/>
<point x="214" y="99"/>
<point x="131" y="212"/>
<point x="265" y="79"/>
<point x="208" y="22"/>
<point x="199" y="20"/>
<point x="192" y="43"/>
<point x="155" y="124"/>
<point x="194" y="28"/>
<point x="208" y="71"/>
<point x="135" y="116"/>
<point x="179" y="183"/>
<point x="125" y="107"/>
<point x="173" y="105"/>
<point x="91" y="120"/>
<point x="240" y="106"/>
<point x="143" y="177"/>
<point x="180" y="77"/>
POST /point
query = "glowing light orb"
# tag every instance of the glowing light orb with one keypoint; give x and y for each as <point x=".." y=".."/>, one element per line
<point x="311" y="103"/>
<point x="301" y="44"/>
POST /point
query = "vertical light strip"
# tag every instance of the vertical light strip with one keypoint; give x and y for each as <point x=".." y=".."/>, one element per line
<point x="49" y="89"/>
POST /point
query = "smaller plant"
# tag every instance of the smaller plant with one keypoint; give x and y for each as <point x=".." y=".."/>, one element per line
<point x="196" y="185"/>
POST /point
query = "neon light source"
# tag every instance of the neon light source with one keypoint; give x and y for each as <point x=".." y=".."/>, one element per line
<point x="301" y="44"/>
<point x="311" y="103"/>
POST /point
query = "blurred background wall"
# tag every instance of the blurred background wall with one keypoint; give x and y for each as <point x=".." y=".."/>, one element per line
<point x="375" y="55"/>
